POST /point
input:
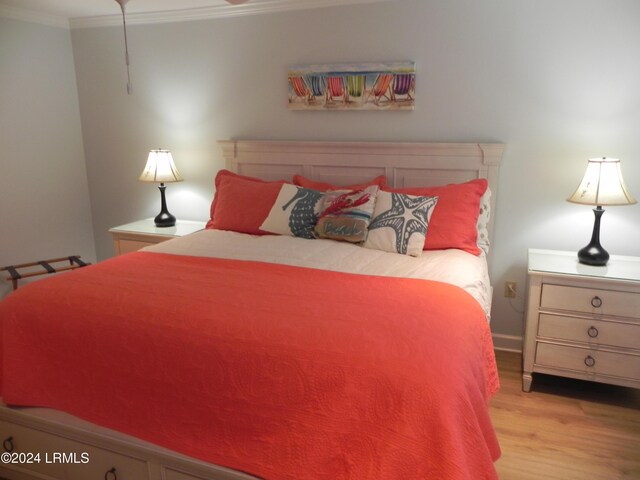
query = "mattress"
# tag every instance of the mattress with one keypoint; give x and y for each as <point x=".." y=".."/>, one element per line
<point x="453" y="266"/>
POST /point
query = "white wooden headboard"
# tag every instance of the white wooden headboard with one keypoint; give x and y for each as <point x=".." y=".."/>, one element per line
<point x="342" y="163"/>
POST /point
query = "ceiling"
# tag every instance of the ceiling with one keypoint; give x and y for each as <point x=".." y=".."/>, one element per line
<point x="94" y="8"/>
<point x="89" y="13"/>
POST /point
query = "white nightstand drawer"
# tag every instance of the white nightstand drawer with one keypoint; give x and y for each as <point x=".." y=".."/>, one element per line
<point x="128" y="246"/>
<point x="586" y="330"/>
<point x="589" y="361"/>
<point x="590" y="300"/>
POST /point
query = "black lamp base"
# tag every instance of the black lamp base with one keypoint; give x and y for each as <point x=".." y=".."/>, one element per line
<point x="593" y="254"/>
<point x="164" y="218"/>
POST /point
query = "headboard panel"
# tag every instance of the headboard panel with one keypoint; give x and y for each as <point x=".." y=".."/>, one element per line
<point x="342" y="163"/>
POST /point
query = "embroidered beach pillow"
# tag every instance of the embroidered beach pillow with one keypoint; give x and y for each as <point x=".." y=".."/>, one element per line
<point x="294" y="212"/>
<point x="400" y="223"/>
<point x="345" y="214"/>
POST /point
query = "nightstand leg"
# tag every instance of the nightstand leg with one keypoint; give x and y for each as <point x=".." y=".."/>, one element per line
<point x="526" y="382"/>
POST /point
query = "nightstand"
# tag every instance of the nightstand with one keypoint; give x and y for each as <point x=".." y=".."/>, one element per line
<point x="582" y="321"/>
<point x="136" y="235"/>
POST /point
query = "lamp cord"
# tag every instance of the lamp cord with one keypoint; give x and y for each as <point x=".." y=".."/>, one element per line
<point x="126" y="49"/>
<point x="514" y="307"/>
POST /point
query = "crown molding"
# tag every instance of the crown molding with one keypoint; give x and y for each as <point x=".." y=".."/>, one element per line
<point x="16" y="13"/>
<point x="219" y="11"/>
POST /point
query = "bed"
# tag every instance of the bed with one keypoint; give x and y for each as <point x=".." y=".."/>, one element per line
<point x="231" y="355"/>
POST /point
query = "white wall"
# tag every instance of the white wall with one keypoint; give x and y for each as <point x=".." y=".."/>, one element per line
<point x="44" y="198"/>
<point x="556" y="81"/>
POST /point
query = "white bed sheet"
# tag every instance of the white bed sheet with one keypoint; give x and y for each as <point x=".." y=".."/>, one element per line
<point x="456" y="267"/>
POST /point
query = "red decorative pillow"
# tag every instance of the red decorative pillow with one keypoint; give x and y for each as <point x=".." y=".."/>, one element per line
<point x="454" y="221"/>
<point x="304" y="182"/>
<point x="242" y="203"/>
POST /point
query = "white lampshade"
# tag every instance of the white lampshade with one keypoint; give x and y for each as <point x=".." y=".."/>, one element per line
<point x="602" y="184"/>
<point x="160" y="168"/>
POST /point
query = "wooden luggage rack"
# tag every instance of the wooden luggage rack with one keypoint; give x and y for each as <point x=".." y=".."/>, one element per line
<point x="43" y="267"/>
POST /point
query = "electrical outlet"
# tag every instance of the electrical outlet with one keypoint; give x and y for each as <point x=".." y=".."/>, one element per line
<point x="510" y="289"/>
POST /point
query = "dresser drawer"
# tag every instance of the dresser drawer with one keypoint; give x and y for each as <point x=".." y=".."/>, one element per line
<point x="57" y="457"/>
<point x="589" y="361"/>
<point x="590" y="300"/>
<point x="585" y="330"/>
<point x="105" y="464"/>
<point x="217" y="473"/>
<point x="170" y="474"/>
<point x="21" y="440"/>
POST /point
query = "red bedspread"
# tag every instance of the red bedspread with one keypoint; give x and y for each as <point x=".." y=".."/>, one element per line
<point x="282" y="372"/>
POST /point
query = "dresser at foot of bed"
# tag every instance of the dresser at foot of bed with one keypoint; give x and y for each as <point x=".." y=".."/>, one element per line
<point x="47" y="445"/>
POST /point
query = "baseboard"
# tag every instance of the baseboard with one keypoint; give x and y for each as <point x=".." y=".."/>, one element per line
<point x="507" y="343"/>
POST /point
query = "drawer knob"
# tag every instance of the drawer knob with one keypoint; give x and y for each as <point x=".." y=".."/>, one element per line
<point x="593" y="332"/>
<point x="589" y="361"/>
<point x="596" y="302"/>
<point x="7" y="444"/>
<point x="111" y="474"/>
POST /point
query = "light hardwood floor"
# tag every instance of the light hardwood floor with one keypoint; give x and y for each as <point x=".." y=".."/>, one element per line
<point x="564" y="429"/>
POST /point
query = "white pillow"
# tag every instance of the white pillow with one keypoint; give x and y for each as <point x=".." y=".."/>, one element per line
<point x="294" y="213"/>
<point x="400" y="223"/>
<point x="483" y="222"/>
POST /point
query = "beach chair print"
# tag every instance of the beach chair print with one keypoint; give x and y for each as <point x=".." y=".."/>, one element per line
<point x="356" y="86"/>
<point x="381" y="88"/>
<point x="336" y="90"/>
<point x="317" y="86"/>
<point x="403" y="86"/>
<point x="298" y="89"/>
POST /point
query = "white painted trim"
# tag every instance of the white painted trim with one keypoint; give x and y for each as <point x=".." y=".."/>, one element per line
<point x="25" y="15"/>
<point x="219" y="11"/>
<point x="507" y="343"/>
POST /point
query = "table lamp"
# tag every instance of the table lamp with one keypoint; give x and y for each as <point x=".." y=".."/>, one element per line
<point x="160" y="168"/>
<point x="602" y="185"/>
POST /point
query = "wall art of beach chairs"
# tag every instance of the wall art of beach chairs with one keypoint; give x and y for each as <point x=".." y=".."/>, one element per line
<point x="364" y="86"/>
